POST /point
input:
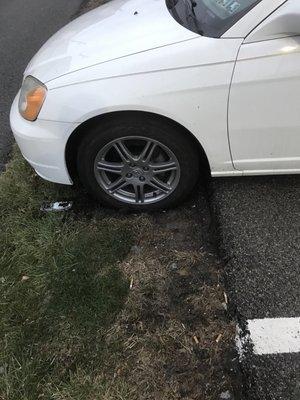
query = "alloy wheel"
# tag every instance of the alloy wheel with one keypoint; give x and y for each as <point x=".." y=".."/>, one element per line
<point x="137" y="170"/>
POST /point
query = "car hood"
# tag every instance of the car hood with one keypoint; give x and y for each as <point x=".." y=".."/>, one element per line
<point x="115" y="30"/>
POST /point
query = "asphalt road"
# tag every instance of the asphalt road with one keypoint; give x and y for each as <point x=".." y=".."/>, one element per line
<point x="259" y="222"/>
<point x="24" y="26"/>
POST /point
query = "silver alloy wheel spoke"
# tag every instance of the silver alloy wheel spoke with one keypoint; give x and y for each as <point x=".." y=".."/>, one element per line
<point x="112" y="167"/>
<point x="123" y="151"/>
<point x="160" y="185"/>
<point x="160" y="168"/>
<point x="117" y="185"/>
<point x="147" y="152"/>
<point x="139" y="193"/>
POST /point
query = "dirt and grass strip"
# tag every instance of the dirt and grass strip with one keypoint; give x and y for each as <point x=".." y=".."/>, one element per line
<point x="96" y="305"/>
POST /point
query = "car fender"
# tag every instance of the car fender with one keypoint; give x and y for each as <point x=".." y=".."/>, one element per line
<point x="186" y="82"/>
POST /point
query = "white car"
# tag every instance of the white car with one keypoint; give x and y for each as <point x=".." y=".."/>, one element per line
<point x="139" y="98"/>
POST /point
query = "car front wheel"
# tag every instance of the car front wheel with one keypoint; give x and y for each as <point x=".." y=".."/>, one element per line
<point x="142" y="164"/>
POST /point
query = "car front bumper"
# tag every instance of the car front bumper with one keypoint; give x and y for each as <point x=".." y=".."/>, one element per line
<point x="42" y="144"/>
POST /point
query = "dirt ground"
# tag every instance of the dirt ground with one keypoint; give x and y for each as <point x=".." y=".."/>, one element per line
<point x="177" y="334"/>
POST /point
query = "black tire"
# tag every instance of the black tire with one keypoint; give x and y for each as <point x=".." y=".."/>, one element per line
<point x="172" y="137"/>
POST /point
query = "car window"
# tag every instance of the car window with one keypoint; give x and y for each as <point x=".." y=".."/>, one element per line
<point x="209" y="17"/>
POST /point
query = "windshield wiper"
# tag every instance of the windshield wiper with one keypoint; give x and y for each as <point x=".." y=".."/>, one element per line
<point x="191" y="4"/>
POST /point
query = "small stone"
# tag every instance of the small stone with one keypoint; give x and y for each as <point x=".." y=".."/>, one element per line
<point x="174" y="266"/>
<point x="224" y="305"/>
<point x="2" y="279"/>
<point x="24" y="278"/>
<point x="226" y="396"/>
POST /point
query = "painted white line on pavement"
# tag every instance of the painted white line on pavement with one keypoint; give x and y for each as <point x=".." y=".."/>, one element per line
<point x="274" y="335"/>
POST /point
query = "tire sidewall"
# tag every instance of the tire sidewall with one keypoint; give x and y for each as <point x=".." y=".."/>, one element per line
<point x="100" y="136"/>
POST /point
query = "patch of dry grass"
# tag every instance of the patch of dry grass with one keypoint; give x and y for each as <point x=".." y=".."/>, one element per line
<point x="172" y="337"/>
<point x="174" y="327"/>
<point x="81" y="322"/>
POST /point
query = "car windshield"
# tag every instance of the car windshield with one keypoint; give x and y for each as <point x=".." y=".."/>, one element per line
<point x="209" y="17"/>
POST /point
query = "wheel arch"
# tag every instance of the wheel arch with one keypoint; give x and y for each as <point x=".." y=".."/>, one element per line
<point x="78" y="134"/>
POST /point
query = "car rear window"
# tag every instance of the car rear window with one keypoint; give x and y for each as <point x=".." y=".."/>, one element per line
<point x="209" y="17"/>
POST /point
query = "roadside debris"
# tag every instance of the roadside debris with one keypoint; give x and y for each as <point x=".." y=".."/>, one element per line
<point x="131" y="284"/>
<point x="225" y="303"/>
<point x="58" y="206"/>
<point x="196" y="339"/>
<point x="225" y="298"/>
<point x="174" y="266"/>
<point x="219" y="338"/>
<point x="226" y="396"/>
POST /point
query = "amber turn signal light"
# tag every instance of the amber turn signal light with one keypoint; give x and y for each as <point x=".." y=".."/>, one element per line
<point x="32" y="97"/>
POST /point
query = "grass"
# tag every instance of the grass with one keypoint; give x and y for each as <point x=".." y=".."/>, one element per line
<point x="91" y="311"/>
<point x="60" y="287"/>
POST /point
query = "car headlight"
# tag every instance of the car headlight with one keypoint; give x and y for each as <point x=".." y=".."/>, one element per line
<point x="32" y="97"/>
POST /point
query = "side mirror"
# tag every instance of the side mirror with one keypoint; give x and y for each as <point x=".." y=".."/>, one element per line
<point x="284" y="22"/>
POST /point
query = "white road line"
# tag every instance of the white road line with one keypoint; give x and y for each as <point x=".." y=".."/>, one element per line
<point x="274" y="335"/>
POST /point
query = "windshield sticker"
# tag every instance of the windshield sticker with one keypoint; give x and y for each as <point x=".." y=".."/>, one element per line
<point x="231" y="6"/>
<point x="227" y="8"/>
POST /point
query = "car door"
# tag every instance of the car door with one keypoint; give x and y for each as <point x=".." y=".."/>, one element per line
<point x="264" y="101"/>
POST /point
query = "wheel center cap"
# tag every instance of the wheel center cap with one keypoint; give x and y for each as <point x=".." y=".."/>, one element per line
<point x="137" y="172"/>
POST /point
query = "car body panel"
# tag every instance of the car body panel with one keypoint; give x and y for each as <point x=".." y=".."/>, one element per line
<point x="183" y="82"/>
<point x="131" y="55"/>
<point x="264" y="108"/>
<point x="42" y="144"/>
<point x="253" y="18"/>
<point x="283" y="22"/>
<point x="109" y="32"/>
